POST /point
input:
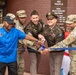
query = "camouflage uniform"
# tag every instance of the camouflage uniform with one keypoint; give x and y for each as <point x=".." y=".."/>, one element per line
<point x="21" y="49"/>
<point x="20" y="58"/>
<point x="70" y="40"/>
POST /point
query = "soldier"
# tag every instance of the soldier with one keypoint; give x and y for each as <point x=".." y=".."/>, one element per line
<point x="66" y="58"/>
<point x="20" y="27"/>
<point x="33" y="28"/>
<point x="53" y="34"/>
<point x="70" y="40"/>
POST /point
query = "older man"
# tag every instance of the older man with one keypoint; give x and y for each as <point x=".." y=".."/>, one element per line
<point x="53" y="34"/>
<point x="70" y="40"/>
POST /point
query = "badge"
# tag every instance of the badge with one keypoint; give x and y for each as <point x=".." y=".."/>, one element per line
<point x="52" y="35"/>
<point x="60" y="34"/>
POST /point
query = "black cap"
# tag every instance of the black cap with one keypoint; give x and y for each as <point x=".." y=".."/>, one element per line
<point x="9" y="20"/>
<point x="51" y="16"/>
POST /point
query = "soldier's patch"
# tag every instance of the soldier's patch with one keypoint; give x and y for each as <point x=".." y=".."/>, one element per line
<point x="60" y="34"/>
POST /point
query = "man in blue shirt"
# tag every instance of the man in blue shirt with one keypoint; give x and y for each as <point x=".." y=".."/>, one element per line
<point x="9" y="37"/>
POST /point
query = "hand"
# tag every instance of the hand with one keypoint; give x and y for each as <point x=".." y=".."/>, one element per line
<point x="45" y="51"/>
<point x="37" y="45"/>
<point x="41" y="37"/>
<point x="40" y="51"/>
<point x="40" y="42"/>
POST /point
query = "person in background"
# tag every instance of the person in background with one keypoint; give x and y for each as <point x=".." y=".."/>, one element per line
<point x="53" y="34"/>
<point x="66" y="58"/>
<point x="33" y="28"/>
<point x="9" y="37"/>
<point x="70" y="40"/>
<point x="20" y="24"/>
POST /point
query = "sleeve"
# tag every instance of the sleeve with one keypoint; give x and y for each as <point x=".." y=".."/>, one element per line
<point x="69" y="40"/>
<point x="28" y="43"/>
<point x="28" y="29"/>
<point x="21" y="35"/>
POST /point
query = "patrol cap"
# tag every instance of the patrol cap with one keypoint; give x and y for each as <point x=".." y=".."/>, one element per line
<point x="71" y="19"/>
<point x="50" y="16"/>
<point x="21" y="13"/>
<point x="34" y="12"/>
<point x="9" y="20"/>
<point x="11" y="15"/>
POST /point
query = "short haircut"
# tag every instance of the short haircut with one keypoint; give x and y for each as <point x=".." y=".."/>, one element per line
<point x="34" y="12"/>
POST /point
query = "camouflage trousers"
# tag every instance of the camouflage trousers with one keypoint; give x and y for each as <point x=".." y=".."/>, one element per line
<point x="73" y="62"/>
<point x="20" y="61"/>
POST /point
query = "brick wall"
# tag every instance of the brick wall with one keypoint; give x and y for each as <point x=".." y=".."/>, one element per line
<point x="71" y="8"/>
<point x="42" y="6"/>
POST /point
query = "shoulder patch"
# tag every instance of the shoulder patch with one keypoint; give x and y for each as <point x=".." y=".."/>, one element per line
<point x="60" y="34"/>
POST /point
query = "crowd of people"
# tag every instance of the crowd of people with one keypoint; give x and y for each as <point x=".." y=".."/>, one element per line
<point x="16" y="37"/>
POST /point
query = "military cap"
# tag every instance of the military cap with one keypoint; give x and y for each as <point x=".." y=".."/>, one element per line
<point x="9" y="20"/>
<point x="21" y="13"/>
<point x="71" y="19"/>
<point x="51" y="16"/>
<point x="11" y="15"/>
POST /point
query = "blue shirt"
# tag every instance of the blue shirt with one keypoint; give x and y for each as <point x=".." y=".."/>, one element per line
<point x="8" y="44"/>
